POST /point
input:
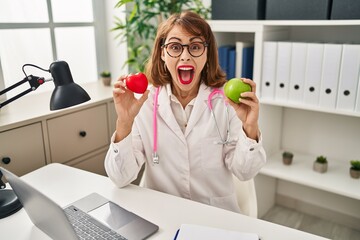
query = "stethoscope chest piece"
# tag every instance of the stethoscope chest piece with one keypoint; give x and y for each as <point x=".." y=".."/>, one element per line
<point x="155" y="158"/>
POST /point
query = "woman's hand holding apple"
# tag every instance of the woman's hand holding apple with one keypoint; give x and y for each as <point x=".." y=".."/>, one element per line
<point x="241" y="96"/>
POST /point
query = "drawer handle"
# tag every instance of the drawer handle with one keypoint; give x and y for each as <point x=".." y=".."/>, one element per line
<point x="6" y="160"/>
<point x="82" y="133"/>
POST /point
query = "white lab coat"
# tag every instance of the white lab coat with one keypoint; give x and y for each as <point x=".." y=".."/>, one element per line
<point x="191" y="164"/>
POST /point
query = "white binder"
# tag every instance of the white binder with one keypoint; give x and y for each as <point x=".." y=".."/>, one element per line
<point x="313" y="71"/>
<point x="297" y="72"/>
<point x="349" y="76"/>
<point x="268" y="73"/>
<point x="330" y="75"/>
<point x="283" y="70"/>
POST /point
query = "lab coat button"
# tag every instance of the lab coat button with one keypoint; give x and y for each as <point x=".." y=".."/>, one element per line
<point x="116" y="151"/>
<point x="251" y="149"/>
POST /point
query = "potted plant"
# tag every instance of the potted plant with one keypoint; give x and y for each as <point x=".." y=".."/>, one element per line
<point x="105" y="78"/>
<point x="355" y="169"/>
<point x="320" y="164"/>
<point x="287" y="157"/>
<point x="142" y="20"/>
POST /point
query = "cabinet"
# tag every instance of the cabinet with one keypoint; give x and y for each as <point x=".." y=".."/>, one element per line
<point x="93" y="164"/>
<point x="112" y="118"/>
<point x="306" y="130"/>
<point x="32" y="136"/>
<point x="78" y="133"/>
<point x="22" y="149"/>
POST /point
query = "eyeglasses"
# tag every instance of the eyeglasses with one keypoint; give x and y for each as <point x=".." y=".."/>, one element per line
<point x="175" y="49"/>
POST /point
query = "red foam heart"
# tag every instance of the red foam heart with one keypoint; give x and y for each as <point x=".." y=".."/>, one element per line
<point x="137" y="82"/>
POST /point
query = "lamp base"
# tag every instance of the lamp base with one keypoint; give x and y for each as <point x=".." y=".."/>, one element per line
<point x="9" y="203"/>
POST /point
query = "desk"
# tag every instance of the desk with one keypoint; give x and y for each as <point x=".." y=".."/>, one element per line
<point x="65" y="185"/>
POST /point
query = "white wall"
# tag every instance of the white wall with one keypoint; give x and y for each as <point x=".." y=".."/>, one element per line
<point x="316" y="133"/>
<point x="117" y="52"/>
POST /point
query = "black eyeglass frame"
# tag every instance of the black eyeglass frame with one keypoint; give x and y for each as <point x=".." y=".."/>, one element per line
<point x="205" y="44"/>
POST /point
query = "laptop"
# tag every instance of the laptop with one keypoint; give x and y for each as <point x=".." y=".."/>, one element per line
<point x="107" y="219"/>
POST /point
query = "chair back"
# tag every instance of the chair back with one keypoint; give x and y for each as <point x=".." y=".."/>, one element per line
<point x="246" y="196"/>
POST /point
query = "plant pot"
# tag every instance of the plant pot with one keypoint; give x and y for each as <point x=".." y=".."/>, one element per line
<point x="354" y="173"/>
<point x="320" y="167"/>
<point x="287" y="160"/>
<point x="106" y="81"/>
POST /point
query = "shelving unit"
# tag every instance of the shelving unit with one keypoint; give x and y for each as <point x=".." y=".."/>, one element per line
<point x="306" y="130"/>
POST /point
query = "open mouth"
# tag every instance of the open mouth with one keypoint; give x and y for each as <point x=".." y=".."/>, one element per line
<point x="186" y="74"/>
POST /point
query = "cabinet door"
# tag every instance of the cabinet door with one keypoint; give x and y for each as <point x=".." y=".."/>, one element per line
<point x="79" y="133"/>
<point x="112" y="117"/>
<point x="93" y="164"/>
<point x="22" y="149"/>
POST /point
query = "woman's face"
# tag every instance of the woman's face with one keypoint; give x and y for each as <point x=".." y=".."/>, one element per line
<point x="185" y="69"/>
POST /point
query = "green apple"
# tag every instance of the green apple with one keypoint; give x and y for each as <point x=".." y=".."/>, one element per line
<point x="234" y="87"/>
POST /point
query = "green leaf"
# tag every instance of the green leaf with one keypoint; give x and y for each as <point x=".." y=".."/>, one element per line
<point x="122" y="2"/>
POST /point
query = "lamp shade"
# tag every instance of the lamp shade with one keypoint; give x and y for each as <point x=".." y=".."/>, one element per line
<point x="66" y="92"/>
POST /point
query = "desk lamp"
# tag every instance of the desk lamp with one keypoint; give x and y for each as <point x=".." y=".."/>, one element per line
<point x="66" y="94"/>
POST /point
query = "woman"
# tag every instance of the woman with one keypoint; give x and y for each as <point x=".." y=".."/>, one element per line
<point x="193" y="157"/>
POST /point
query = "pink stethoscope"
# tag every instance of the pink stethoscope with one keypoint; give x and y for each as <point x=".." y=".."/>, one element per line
<point x="222" y="140"/>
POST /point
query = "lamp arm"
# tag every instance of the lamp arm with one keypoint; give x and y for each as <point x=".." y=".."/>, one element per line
<point x="34" y="82"/>
<point x="13" y="86"/>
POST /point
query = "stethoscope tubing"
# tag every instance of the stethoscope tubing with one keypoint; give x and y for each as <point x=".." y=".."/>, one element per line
<point x="155" y="156"/>
<point x="227" y="140"/>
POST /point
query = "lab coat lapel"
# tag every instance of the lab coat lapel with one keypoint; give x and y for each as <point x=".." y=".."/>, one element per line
<point x="199" y="107"/>
<point x="165" y="112"/>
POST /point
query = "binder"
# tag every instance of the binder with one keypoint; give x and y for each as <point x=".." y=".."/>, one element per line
<point x="357" y="104"/>
<point x="248" y="62"/>
<point x="349" y="76"/>
<point x="239" y="46"/>
<point x="268" y="73"/>
<point x="297" y="72"/>
<point x="315" y="52"/>
<point x="223" y="52"/>
<point x="231" y="63"/>
<point x="283" y="70"/>
<point x="330" y="75"/>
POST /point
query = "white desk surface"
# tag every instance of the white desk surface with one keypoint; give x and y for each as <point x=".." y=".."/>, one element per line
<point x="65" y="185"/>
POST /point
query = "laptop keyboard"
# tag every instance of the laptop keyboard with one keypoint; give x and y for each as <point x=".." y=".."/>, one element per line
<point x="86" y="227"/>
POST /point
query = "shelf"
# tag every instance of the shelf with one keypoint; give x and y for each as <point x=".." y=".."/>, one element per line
<point x="336" y="180"/>
<point x="310" y="22"/>
<point x="234" y="26"/>
<point x="237" y="25"/>
<point x="309" y="107"/>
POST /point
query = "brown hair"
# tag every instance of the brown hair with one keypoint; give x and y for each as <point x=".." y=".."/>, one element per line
<point x="211" y="75"/>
